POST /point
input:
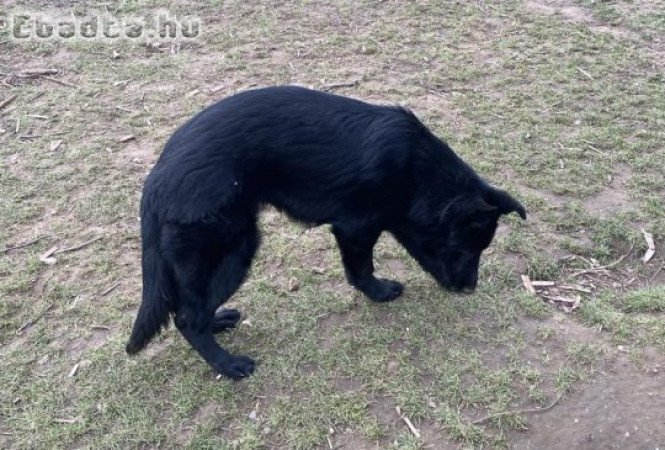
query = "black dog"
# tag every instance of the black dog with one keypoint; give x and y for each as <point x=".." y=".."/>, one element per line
<point x="321" y="158"/>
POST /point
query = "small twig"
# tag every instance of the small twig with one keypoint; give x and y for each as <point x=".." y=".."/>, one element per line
<point x="331" y="86"/>
<point x="35" y="320"/>
<point x="39" y="94"/>
<point x="25" y="244"/>
<point x="7" y="101"/>
<point x="123" y="109"/>
<point x="67" y="421"/>
<point x="128" y="138"/>
<point x="517" y="411"/>
<point x="74" y="369"/>
<point x="408" y="423"/>
<point x="596" y="269"/>
<point x="537" y="283"/>
<point x="108" y="291"/>
<point x="651" y="246"/>
<point x="585" y="73"/>
<point x="64" y="83"/>
<point x="77" y="247"/>
<point x="655" y="274"/>
<point x="218" y="88"/>
<point x="55" y="145"/>
<point x="37" y="72"/>
<point x="569" y="287"/>
<point x="526" y="281"/>
<point x="438" y="91"/>
<point x="383" y="47"/>
<point x="47" y="256"/>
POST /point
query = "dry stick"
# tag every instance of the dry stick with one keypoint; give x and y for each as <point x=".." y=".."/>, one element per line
<point x="35" y="72"/>
<point x="67" y="421"/>
<point x="25" y="244"/>
<point x="39" y="94"/>
<point x="408" y="423"/>
<point x="216" y="89"/>
<point x="606" y="266"/>
<point x="651" y="246"/>
<point x="568" y="287"/>
<point x="55" y="80"/>
<point x="537" y="283"/>
<point x="55" y="145"/>
<point x="526" y="281"/>
<point x="77" y="247"/>
<point x="7" y="102"/>
<point x="328" y="87"/>
<point x="74" y="369"/>
<point x="653" y="277"/>
<point x="585" y="73"/>
<point x="33" y="321"/>
<point x="47" y="256"/>
<point x="517" y="411"/>
<point x="108" y="291"/>
<point x="125" y="139"/>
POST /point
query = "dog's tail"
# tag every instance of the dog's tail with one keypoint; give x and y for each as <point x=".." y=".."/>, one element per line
<point x="157" y="288"/>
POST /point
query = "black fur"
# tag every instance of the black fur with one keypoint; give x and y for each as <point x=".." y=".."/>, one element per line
<point x="321" y="158"/>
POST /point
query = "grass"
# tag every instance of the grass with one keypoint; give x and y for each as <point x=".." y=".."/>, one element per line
<point x="564" y="114"/>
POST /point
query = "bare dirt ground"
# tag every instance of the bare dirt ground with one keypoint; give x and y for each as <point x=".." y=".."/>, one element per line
<point x="559" y="101"/>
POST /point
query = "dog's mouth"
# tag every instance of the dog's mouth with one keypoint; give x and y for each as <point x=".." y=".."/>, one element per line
<point x="467" y="290"/>
<point x="462" y="290"/>
<point x="441" y="276"/>
<point x="446" y="283"/>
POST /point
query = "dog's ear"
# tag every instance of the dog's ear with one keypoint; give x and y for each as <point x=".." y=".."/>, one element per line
<point x="467" y="208"/>
<point x="505" y="202"/>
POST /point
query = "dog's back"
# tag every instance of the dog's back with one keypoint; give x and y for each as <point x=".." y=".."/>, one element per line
<point x="303" y="151"/>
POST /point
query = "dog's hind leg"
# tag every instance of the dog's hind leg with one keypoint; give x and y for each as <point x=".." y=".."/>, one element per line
<point x="224" y="319"/>
<point x="356" y="249"/>
<point x="207" y="277"/>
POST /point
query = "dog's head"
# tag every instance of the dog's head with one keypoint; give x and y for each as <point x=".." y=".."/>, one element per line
<point x="468" y="224"/>
<point x="450" y="250"/>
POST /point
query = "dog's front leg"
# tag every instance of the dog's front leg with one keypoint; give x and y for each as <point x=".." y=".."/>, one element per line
<point x="356" y="249"/>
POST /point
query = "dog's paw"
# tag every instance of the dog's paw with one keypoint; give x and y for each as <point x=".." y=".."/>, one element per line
<point x="384" y="290"/>
<point x="224" y="319"/>
<point x="236" y="367"/>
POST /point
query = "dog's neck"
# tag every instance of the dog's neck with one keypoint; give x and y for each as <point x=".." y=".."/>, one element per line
<point x="442" y="177"/>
